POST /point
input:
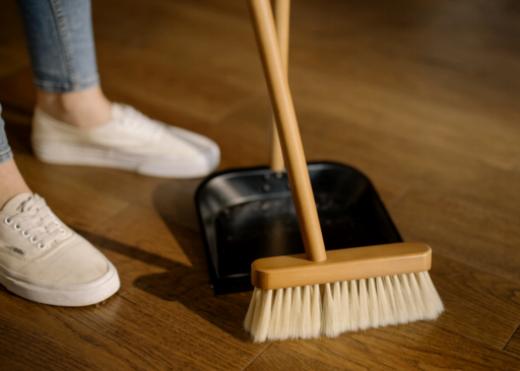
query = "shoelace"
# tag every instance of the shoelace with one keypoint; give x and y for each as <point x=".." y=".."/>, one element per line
<point x="137" y="122"/>
<point x="35" y="221"/>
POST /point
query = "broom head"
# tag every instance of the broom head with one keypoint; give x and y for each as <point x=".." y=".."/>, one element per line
<point x="354" y="289"/>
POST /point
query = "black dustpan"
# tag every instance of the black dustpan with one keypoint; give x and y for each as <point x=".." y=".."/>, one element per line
<point x="246" y="214"/>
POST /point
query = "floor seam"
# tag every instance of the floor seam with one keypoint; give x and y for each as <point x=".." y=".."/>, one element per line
<point x="256" y="357"/>
<point x="517" y="329"/>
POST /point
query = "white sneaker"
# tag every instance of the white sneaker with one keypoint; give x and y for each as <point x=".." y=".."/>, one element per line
<point x="43" y="260"/>
<point x="130" y="141"/>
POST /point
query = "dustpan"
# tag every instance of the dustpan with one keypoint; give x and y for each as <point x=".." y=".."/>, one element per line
<point x="248" y="213"/>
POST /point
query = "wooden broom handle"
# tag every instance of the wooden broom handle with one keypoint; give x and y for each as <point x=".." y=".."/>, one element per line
<point x="288" y="130"/>
<point x="282" y="12"/>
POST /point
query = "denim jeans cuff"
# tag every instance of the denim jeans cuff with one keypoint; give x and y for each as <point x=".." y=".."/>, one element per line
<point x="66" y="86"/>
<point x="6" y="156"/>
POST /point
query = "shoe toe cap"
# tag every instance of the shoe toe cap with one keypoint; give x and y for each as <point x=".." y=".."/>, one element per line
<point x="73" y="265"/>
<point x="183" y="155"/>
<point x="205" y="147"/>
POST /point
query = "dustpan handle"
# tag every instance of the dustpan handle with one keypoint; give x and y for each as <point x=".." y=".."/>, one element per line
<point x="282" y="12"/>
<point x="288" y="130"/>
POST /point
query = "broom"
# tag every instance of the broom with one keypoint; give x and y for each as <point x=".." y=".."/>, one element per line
<point x="313" y="294"/>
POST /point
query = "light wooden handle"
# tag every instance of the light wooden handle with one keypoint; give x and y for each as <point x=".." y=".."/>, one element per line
<point x="288" y="130"/>
<point x="282" y="11"/>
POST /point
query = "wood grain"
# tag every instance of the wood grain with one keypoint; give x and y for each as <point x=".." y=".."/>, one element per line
<point x="422" y="96"/>
<point x="477" y="322"/>
<point x="513" y="345"/>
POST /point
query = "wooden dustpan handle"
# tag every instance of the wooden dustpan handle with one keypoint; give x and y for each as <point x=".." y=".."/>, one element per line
<point x="288" y="130"/>
<point x="282" y="12"/>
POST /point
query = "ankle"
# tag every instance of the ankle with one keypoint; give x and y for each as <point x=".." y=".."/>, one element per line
<point x="11" y="182"/>
<point x="87" y="108"/>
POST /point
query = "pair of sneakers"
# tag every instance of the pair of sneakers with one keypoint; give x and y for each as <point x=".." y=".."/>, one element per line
<point x="43" y="260"/>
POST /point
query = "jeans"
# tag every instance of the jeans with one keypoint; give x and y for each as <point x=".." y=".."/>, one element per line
<point x="61" y="48"/>
<point x="5" y="150"/>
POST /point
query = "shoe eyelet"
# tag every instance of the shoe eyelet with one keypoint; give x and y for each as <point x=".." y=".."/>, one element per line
<point x="40" y="245"/>
<point x="8" y="220"/>
<point x="25" y="233"/>
<point x="33" y="239"/>
<point x="17" y="227"/>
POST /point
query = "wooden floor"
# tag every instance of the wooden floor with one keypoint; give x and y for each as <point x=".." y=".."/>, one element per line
<point x="422" y="95"/>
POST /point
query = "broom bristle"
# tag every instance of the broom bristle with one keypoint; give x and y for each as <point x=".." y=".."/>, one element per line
<point x="310" y="311"/>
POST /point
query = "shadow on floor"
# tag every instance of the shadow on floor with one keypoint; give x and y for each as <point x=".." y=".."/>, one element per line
<point x="188" y="285"/>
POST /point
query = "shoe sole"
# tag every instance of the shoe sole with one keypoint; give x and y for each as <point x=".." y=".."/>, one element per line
<point x="79" y="296"/>
<point x="58" y="153"/>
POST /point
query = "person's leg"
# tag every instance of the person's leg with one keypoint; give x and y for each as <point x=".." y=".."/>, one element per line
<point x="61" y="46"/>
<point x="42" y="259"/>
<point x="103" y="133"/>
<point x="73" y="273"/>
<point x="11" y="182"/>
<point x="88" y="108"/>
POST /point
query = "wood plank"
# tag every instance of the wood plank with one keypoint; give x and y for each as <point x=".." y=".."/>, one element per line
<point x="13" y="55"/>
<point x="478" y="321"/>
<point x="475" y="225"/>
<point x="197" y="74"/>
<point x="421" y="347"/>
<point x="164" y="271"/>
<point x="513" y="345"/>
